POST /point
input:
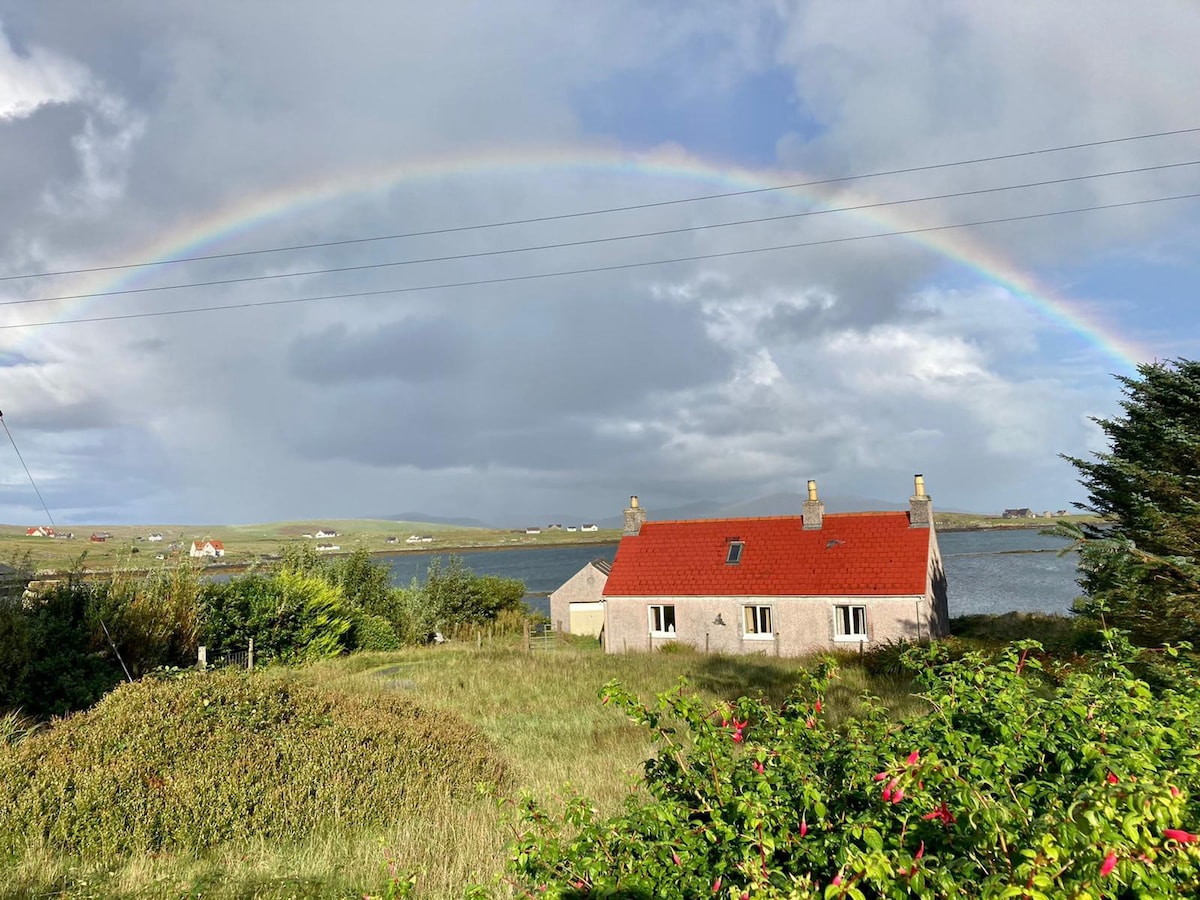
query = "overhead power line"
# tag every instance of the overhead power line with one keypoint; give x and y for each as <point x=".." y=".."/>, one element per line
<point x="664" y="232"/>
<point x="557" y="217"/>
<point x="26" y="468"/>
<point x="596" y="269"/>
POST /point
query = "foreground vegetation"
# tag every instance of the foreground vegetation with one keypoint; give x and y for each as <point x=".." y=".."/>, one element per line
<point x="540" y="713"/>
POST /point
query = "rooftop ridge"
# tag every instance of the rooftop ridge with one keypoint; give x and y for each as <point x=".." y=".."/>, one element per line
<point x="797" y="516"/>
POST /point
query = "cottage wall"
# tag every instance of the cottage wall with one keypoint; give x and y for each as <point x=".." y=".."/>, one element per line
<point x="801" y="625"/>
<point x="585" y="590"/>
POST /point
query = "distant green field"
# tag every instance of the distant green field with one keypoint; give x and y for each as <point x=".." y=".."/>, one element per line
<point x="245" y="544"/>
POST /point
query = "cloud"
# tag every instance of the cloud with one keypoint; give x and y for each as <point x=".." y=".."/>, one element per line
<point x="231" y="128"/>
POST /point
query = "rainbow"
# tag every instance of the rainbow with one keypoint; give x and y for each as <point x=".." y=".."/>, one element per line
<point x="223" y="225"/>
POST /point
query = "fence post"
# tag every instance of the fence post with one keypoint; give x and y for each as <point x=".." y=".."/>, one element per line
<point x="478" y="638"/>
<point x="528" y="643"/>
<point x="202" y="657"/>
<point x="250" y="656"/>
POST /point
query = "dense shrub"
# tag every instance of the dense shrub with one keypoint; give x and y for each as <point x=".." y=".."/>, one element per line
<point x="52" y="658"/>
<point x="374" y="633"/>
<point x="1086" y="785"/>
<point x="192" y="763"/>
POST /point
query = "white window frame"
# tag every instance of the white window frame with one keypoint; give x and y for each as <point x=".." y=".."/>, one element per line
<point x="844" y="616"/>
<point x="741" y="549"/>
<point x="756" y="615"/>
<point x="657" y="615"/>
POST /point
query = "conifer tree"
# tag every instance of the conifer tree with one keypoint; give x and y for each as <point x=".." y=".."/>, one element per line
<point x="1139" y="567"/>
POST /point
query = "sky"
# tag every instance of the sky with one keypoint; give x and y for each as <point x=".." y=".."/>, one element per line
<point x="466" y="379"/>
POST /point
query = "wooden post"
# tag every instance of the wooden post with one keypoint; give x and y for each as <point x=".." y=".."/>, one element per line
<point x="250" y="656"/>
<point x="478" y="638"/>
<point x="528" y="643"/>
<point x="202" y="657"/>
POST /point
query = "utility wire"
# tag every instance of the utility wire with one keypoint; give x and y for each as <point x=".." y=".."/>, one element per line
<point x="558" y="217"/>
<point x="243" y="279"/>
<point x="595" y="269"/>
<point x="27" y="472"/>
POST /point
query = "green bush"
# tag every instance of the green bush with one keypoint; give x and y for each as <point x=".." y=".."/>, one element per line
<point x="1012" y="785"/>
<point x="374" y="633"/>
<point x="193" y="763"/>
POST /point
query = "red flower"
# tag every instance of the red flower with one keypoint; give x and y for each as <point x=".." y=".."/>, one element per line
<point x="817" y="706"/>
<point x="1174" y="791"/>
<point x="716" y="884"/>
<point x="942" y="813"/>
<point x="837" y="880"/>
<point x="803" y="826"/>
<point x="1111" y="778"/>
<point x="881" y="776"/>
<point x="1184" y="837"/>
<point x="898" y="796"/>
<point x="759" y="767"/>
<point x="887" y="792"/>
<point x="913" y="758"/>
<point x="1110" y="863"/>
<point x="675" y="859"/>
<point x="920" y="851"/>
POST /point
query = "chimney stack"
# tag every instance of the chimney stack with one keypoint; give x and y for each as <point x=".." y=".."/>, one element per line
<point x="635" y="517"/>
<point x="920" y="505"/>
<point x="814" y="509"/>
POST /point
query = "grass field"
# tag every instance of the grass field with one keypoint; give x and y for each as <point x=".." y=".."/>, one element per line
<point x="541" y="712"/>
<point x="244" y="544"/>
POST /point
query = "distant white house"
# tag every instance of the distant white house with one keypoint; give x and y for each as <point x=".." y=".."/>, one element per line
<point x="590" y="527"/>
<point x="155" y="537"/>
<point x="325" y="548"/>
<point x="413" y="539"/>
<point x="391" y="539"/>
<point x="572" y="528"/>
<point x="207" y="548"/>
<point x="426" y="538"/>
<point x="39" y="531"/>
<point x="326" y="533"/>
<point x="533" y="531"/>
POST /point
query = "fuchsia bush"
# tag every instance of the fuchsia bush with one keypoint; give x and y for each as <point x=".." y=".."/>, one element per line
<point x="1014" y="784"/>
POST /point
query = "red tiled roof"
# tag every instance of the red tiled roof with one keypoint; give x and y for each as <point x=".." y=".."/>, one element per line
<point x="852" y="554"/>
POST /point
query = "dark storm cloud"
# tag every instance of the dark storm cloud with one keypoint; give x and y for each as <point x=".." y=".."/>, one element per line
<point x="522" y="389"/>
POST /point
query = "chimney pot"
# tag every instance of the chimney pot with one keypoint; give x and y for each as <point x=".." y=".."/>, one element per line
<point x="633" y="502"/>
<point x="812" y="489"/>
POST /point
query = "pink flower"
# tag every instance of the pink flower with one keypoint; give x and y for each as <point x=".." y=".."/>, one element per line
<point x="810" y="722"/>
<point x="881" y="776"/>
<point x="837" y="880"/>
<point x="803" y="826"/>
<point x="745" y="895"/>
<point x="1110" y="863"/>
<point x="920" y="851"/>
<point x="675" y="859"/>
<point x="1184" y="837"/>
<point x="716" y="884"/>
<point x="737" y="736"/>
<point x="887" y="793"/>
<point x="1174" y="791"/>
<point x="817" y="706"/>
<point x="898" y="796"/>
<point x="759" y="767"/>
<point x="913" y="758"/>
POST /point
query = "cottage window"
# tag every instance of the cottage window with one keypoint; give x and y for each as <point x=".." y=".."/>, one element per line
<point x="850" y="623"/>
<point x="756" y="621"/>
<point x="735" y="553"/>
<point x="662" y="620"/>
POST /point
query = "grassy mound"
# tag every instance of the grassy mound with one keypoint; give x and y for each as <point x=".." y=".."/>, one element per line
<point x="191" y="764"/>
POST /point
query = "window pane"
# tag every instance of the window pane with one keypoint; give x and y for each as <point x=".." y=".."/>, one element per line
<point x="748" y="619"/>
<point x="766" y="620"/>
<point x="668" y="618"/>
<point x="735" y="553"/>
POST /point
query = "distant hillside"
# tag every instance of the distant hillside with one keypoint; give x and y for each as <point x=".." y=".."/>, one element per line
<point x="426" y="518"/>
<point x="781" y="504"/>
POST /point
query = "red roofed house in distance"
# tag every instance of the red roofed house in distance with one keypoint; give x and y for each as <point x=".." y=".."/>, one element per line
<point x="783" y="585"/>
